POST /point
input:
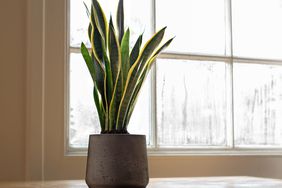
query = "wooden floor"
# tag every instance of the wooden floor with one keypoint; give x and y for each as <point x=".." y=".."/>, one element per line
<point x="199" y="182"/>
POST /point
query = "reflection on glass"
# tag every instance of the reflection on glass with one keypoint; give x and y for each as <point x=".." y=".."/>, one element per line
<point x="199" y="25"/>
<point x="83" y="118"/>
<point x="258" y="104"/>
<point x="193" y="103"/>
<point x="257" y="28"/>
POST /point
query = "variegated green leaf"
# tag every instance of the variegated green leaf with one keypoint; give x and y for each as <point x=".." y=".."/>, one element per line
<point x="101" y="83"/>
<point x="165" y="45"/>
<point x="142" y="79"/>
<point x="120" y="20"/>
<point x="100" y="108"/>
<point x="147" y="51"/>
<point x="135" y="51"/>
<point x="134" y="98"/>
<point x="87" y="9"/>
<point x="100" y="20"/>
<point x="114" y="104"/>
<point x="98" y="100"/>
<point x="109" y="78"/>
<point x="99" y="77"/>
<point x="97" y="45"/>
<point x="125" y="55"/>
<point x="88" y="60"/>
<point x="134" y="74"/>
<point x="114" y="51"/>
<point x="115" y="60"/>
<point x="89" y="31"/>
<point x="98" y="42"/>
<point x="98" y="58"/>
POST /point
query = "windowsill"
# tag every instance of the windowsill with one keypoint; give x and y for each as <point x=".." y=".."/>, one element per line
<point x="196" y="152"/>
<point x="227" y="181"/>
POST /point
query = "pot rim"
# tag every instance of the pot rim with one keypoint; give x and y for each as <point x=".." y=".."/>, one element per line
<point x="118" y="135"/>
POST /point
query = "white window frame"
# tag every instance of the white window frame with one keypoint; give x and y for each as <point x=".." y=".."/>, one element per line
<point x="228" y="150"/>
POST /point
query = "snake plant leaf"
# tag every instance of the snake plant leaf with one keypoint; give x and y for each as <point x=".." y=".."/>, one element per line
<point x="146" y="71"/>
<point x="134" y="74"/>
<point x="98" y="42"/>
<point x="165" y="45"/>
<point x="147" y="51"/>
<point x="114" y="51"/>
<point x="125" y="55"/>
<point x="98" y="100"/>
<point x="100" y="20"/>
<point x="99" y="90"/>
<point x="98" y="58"/>
<point x="133" y="100"/>
<point x="97" y="45"/>
<point x="89" y="31"/>
<point x="141" y="80"/>
<point x="88" y="60"/>
<point x="115" y="103"/>
<point x="120" y="20"/>
<point x="87" y="9"/>
<point x="135" y="50"/>
<point x="109" y="78"/>
<point x="99" y="77"/>
<point x="101" y="83"/>
<point x="115" y="60"/>
<point x="99" y="106"/>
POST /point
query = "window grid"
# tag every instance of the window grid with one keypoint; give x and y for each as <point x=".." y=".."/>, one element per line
<point x="153" y="89"/>
<point x="230" y="148"/>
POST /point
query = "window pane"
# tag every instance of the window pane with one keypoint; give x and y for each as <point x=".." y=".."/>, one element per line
<point x="193" y="103"/>
<point x="78" y="23"/>
<point x="83" y="118"/>
<point x="199" y="25"/>
<point x="138" y="14"/>
<point x="83" y="115"/>
<point x="140" y="122"/>
<point x="257" y="28"/>
<point x="258" y="104"/>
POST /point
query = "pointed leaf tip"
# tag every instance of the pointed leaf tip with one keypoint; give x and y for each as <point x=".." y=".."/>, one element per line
<point x="120" y="20"/>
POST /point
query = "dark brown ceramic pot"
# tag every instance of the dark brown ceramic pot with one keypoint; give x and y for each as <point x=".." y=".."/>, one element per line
<point x="117" y="161"/>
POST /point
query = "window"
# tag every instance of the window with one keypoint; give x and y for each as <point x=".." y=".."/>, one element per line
<point x="216" y="88"/>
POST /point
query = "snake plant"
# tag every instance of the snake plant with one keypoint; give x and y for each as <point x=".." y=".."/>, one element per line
<point x="117" y="71"/>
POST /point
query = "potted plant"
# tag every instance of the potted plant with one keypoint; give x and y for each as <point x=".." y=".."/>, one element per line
<point x="115" y="157"/>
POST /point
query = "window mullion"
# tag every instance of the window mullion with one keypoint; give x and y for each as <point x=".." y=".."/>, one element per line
<point x="153" y="88"/>
<point x="229" y="32"/>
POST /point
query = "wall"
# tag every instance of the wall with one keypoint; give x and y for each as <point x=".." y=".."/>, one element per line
<point x="12" y="92"/>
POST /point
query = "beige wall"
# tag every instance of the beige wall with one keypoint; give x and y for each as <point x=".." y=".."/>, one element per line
<point x="12" y="92"/>
<point x="260" y="166"/>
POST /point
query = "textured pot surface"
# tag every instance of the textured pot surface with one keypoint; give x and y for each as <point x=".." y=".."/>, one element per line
<point x="117" y="161"/>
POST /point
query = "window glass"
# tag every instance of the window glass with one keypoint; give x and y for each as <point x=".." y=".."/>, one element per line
<point x="83" y="118"/>
<point x="257" y="28"/>
<point x="199" y="25"/>
<point x="258" y="104"/>
<point x="193" y="102"/>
